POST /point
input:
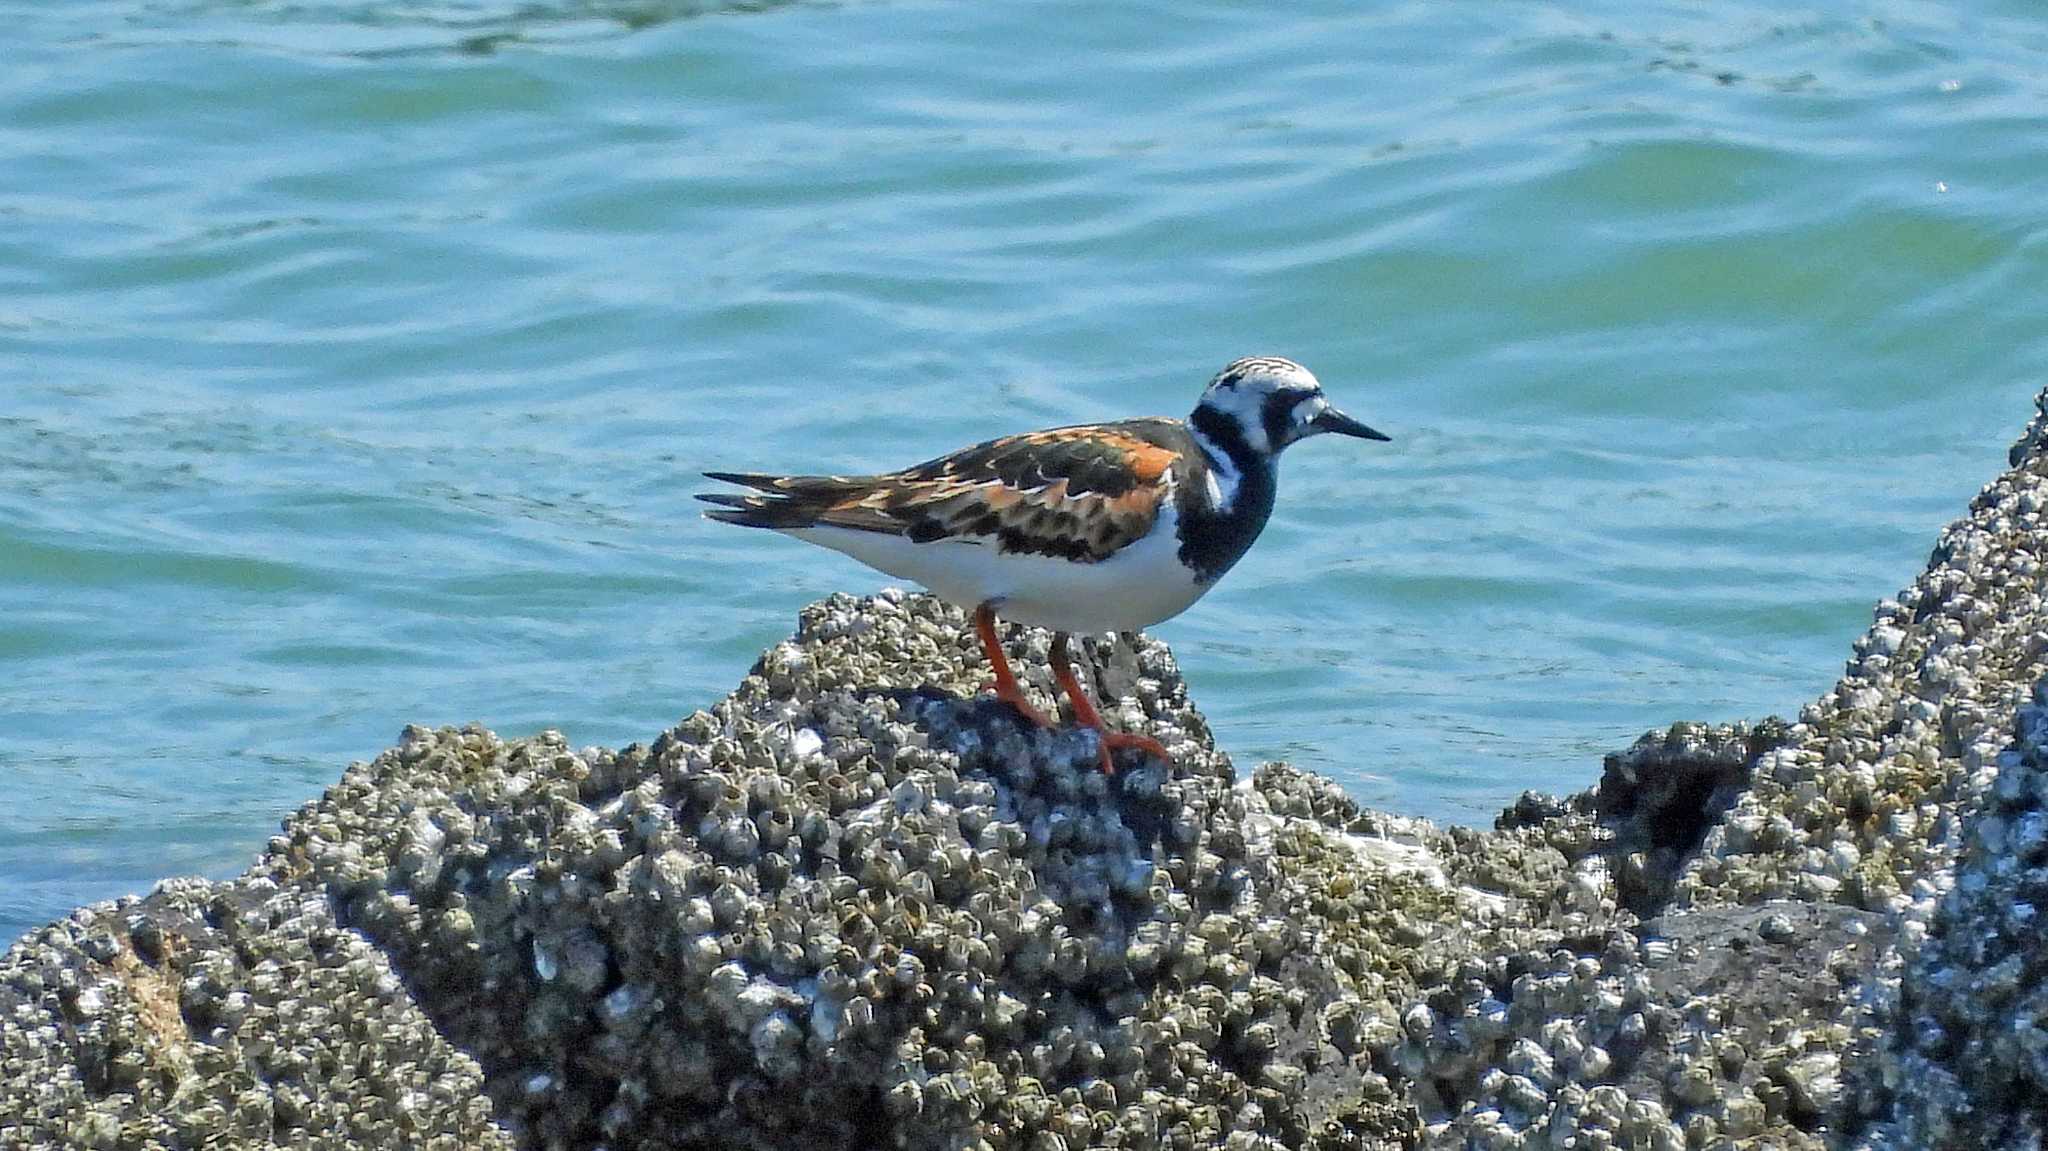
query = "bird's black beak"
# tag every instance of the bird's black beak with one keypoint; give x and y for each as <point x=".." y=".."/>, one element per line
<point x="1332" y="420"/>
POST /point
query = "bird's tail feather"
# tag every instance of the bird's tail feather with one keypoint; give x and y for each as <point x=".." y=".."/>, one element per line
<point x="760" y="511"/>
<point x="787" y="485"/>
<point x="784" y="501"/>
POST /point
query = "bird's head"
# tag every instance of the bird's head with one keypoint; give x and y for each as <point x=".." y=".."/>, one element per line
<point x="1261" y="404"/>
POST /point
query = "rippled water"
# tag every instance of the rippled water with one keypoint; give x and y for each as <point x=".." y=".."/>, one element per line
<point x="358" y="358"/>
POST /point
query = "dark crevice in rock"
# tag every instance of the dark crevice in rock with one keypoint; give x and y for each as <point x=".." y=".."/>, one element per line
<point x="1659" y="799"/>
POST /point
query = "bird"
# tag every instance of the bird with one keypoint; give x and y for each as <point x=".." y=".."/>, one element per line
<point x="1087" y="528"/>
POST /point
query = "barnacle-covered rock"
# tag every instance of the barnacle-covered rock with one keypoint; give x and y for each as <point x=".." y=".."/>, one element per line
<point x="854" y="905"/>
<point x="1861" y="805"/>
<point x="234" y="1014"/>
<point x="1791" y="873"/>
<point x="1967" y="1063"/>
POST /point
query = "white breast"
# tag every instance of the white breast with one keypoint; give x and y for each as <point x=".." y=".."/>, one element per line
<point x="1135" y="588"/>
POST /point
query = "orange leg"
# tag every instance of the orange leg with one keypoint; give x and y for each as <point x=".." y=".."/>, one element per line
<point x="1007" y="688"/>
<point x="1086" y="715"/>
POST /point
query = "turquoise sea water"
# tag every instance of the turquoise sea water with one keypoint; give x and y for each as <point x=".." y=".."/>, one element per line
<point x="356" y="359"/>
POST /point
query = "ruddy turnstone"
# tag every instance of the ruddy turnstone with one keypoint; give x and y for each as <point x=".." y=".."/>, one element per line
<point x="1098" y="527"/>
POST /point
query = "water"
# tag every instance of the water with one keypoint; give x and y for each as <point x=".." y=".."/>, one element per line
<point x="358" y="358"/>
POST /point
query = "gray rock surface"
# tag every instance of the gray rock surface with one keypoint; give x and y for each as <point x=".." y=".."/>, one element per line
<point x="1966" y="1064"/>
<point x="845" y="909"/>
<point x="1864" y="804"/>
<point x="1824" y="856"/>
<point x="853" y="906"/>
<point x="230" y="1014"/>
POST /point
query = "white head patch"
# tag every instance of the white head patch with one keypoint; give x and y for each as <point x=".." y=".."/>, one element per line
<point x="1244" y="391"/>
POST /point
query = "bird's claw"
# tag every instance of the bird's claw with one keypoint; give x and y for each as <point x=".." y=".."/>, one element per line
<point x="1113" y="741"/>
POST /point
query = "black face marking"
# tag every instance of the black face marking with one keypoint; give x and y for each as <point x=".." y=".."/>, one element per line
<point x="1211" y="540"/>
<point x="1277" y="414"/>
<point x="1223" y="431"/>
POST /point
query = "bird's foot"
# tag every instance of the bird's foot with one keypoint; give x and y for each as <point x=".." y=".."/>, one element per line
<point x="1114" y="741"/>
<point x="1086" y="715"/>
<point x="1019" y="702"/>
<point x="1006" y="686"/>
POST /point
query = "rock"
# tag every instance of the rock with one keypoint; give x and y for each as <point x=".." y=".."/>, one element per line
<point x="967" y="921"/>
<point x="853" y="905"/>
<point x="1967" y="1062"/>
<point x="236" y="1014"/>
<point x="1912" y="732"/>
<point x="1660" y="797"/>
